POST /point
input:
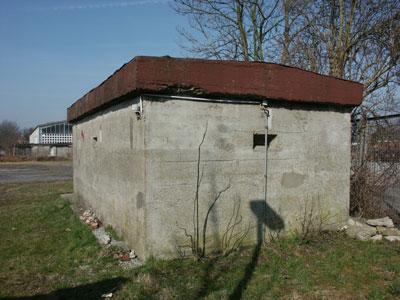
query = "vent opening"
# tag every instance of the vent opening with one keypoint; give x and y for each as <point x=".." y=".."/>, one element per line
<point x="259" y="139"/>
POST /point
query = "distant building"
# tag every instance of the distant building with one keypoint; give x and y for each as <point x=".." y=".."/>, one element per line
<point x="50" y="139"/>
<point x="52" y="133"/>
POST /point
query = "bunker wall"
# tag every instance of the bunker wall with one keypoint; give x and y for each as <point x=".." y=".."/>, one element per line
<point x="109" y="170"/>
<point x="308" y="168"/>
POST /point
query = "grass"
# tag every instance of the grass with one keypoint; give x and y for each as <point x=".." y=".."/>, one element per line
<point x="46" y="253"/>
<point x="113" y="233"/>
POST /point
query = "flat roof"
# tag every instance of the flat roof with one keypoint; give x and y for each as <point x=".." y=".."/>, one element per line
<point x="50" y="124"/>
<point x="215" y="79"/>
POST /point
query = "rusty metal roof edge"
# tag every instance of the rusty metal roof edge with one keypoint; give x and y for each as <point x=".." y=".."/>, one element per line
<point x="136" y="89"/>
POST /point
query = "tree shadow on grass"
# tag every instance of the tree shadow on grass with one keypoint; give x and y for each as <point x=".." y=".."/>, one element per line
<point x="206" y="280"/>
<point x="86" y="291"/>
<point x="265" y="216"/>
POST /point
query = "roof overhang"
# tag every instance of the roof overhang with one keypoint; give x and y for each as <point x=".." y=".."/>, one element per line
<point x="215" y="78"/>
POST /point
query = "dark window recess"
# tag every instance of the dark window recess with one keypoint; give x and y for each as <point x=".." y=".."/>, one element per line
<point x="259" y="139"/>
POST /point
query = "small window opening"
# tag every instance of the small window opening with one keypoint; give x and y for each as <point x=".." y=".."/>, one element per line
<point x="259" y="139"/>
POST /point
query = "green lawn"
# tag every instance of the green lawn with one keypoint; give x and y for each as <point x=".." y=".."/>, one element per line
<point x="39" y="259"/>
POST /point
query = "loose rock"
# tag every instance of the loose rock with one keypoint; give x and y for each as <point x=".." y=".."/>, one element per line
<point x="351" y="222"/>
<point x="393" y="238"/>
<point x="384" y="222"/>
<point x="108" y="295"/>
<point x="387" y="231"/>
<point x="87" y="213"/>
<point x="128" y="265"/>
<point x="105" y="239"/>
<point x="94" y="225"/>
<point x="361" y="231"/>
<point x="356" y="222"/>
<point x="125" y="257"/>
<point x="377" y="237"/>
<point x="132" y="254"/>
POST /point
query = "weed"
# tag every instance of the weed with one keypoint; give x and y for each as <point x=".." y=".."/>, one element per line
<point x="110" y="230"/>
<point x="312" y="221"/>
<point x="197" y="239"/>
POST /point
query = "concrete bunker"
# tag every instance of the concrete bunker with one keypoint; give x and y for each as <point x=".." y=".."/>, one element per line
<point x="137" y="136"/>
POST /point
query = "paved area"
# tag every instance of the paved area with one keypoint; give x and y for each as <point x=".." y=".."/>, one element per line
<point x="35" y="171"/>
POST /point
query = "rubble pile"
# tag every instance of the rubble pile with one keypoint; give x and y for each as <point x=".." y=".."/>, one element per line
<point x="372" y="229"/>
<point x="90" y="219"/>
<point x="119" y="249"/>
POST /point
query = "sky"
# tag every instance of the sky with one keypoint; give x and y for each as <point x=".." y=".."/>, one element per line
<point x="52" y="52"/>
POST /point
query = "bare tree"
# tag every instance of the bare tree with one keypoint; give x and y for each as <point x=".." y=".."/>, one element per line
<point x="356" y="40"/>
<point x="293" y="25"/>
<point x="229" y="29"/>
<point x="351" y="39"/>
<point x="26" y="132"/>
<point x="9" y="134"/>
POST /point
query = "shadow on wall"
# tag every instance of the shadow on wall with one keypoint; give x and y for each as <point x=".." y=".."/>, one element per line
<point x="275" y="223"/>
<point x="87" y="291"/>
<point x="272" y="220"/>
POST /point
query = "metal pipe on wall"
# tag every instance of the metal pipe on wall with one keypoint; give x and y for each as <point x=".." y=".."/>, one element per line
<point x="266" y="112"/>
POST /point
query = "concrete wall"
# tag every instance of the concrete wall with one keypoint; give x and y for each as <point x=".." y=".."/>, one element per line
<point x="140" y="175"/>
<point x="309" y="163"/>
<point x="43" y="150"/>
<point x="109" y="170"/>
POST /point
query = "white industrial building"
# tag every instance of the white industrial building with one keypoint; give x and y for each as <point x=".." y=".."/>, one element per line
<point x="52" y="133"/>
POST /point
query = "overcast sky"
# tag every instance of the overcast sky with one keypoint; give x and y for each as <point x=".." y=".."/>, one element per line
<point x="53" y="52"/>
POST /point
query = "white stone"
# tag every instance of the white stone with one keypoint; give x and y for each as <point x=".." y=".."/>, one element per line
<point x="132" y="254"/>
<point x="108" y="295"/>
<point x="87" y="213"/>
<point x="377" y="237"/>
<point x="356" y="222"/>
<point x="384" y="222"/>
<point x="105" y="239"/>
<point x="393" y="238"/>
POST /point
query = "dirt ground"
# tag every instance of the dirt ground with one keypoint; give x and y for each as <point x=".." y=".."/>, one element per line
<point x="35" y="171"/>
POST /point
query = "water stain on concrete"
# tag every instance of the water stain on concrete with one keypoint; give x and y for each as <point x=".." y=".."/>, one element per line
<point x="223" y="145"/>
<point x="292" y="180"/>
<point x="139" y="200"/>
<point x="222" y="128"/>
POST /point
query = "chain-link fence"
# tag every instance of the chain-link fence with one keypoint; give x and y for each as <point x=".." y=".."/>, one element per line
<point x="375" y="170"/>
